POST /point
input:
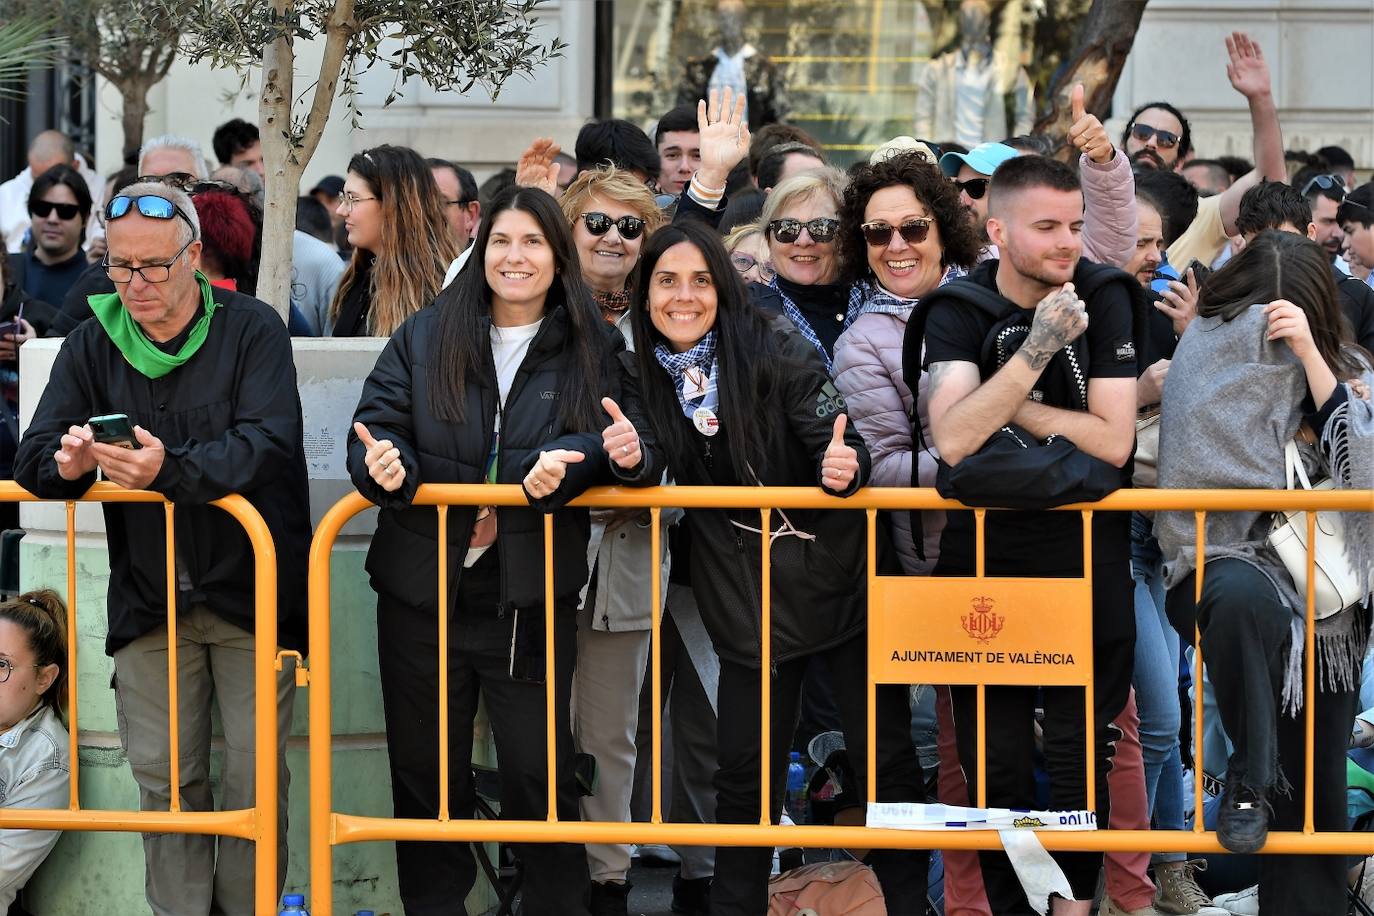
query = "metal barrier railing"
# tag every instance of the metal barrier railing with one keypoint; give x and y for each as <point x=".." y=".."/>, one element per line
<point x="330" y="828"/>
<point x="257" y="824"/>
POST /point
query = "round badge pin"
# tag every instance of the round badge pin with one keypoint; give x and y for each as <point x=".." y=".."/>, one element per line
<point x="706" y="421"/>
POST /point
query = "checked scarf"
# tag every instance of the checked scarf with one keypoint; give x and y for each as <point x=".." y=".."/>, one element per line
<point x="795" y="315"/>
<point x="702" y="355"/>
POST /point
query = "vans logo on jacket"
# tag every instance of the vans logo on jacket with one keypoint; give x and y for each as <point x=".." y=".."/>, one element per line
<point x="829" y="401"/>
<point x="548" y="395"/>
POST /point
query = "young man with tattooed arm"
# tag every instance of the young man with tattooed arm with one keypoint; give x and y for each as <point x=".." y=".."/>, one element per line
<point x="1036" y="377"/>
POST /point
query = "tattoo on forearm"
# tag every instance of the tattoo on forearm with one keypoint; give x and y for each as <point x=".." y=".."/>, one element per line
<point x="1036" y="356"/>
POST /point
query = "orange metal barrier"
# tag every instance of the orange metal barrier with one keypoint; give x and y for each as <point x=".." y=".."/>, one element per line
<point x="257" y="824"/>
<point x="888" y="596"/>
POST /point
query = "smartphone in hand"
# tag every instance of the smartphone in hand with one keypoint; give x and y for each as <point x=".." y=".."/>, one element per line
<point x="114" y="429"/>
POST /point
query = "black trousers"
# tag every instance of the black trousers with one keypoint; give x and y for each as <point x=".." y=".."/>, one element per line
<point x="1011" y="740"/>
<point x="1246" y="633"/>
<point x="740" y="887"/>
<point x="436" y="877"/>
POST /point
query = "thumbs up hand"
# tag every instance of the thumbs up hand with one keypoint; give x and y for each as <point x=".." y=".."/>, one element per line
<point x="1087" y="132"/>
<point x="383" y="460"/>
<point x="841" y="462"/>
<point x="548" y="472"/>
<point x="620" y="439"/>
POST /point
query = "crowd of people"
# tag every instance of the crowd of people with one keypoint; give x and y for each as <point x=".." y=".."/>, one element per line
<point x="714" y="305"/>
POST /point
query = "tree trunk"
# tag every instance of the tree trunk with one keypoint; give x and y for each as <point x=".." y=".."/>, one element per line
<point x="283" y="172"/>
<point x="1099" y="55"/>
<point x="133" y="93"/>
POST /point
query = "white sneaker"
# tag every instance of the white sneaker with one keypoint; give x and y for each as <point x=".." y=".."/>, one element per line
<point x="1241" y="903"/>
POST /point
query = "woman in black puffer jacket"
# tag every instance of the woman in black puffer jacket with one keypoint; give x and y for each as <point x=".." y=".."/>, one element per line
<point x="500" y="380"/>
<point x="725" y="396"/>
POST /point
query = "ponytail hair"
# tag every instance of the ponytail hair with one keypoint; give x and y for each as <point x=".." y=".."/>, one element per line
<point x="42" y="615"/>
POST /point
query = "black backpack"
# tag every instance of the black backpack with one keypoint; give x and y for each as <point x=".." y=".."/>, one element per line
<point x="1014" y="470"/>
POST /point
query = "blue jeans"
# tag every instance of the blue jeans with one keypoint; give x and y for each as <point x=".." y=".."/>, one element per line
<point x="1156" y="684"/>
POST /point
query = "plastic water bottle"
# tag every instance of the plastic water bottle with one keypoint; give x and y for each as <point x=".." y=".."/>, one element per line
<point x="796" y="789"/>
<point x="293" y="905"/>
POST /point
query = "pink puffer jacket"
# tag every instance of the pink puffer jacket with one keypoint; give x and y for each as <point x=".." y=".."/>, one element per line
<point x="868" y="372"/>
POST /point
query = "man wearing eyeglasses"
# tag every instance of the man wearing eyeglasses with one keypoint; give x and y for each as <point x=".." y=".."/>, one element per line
<point x="207" y="381"/>
<point x="59" y="208"/>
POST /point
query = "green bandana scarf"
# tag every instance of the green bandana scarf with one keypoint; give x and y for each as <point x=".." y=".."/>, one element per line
<point x="140" y="352"/>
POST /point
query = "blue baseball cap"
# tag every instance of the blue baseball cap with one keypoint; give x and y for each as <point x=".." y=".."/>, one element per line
<point x="983" y="159"/>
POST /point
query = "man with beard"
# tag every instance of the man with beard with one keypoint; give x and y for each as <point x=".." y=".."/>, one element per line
<point x="1215" y="223"/>
<point x="1036" y="220"/>
<point x="1325" y="192"/>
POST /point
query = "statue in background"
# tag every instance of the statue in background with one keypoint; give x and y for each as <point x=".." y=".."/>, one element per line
<point x="963" y="94"/>
<point x="737" y="64"/>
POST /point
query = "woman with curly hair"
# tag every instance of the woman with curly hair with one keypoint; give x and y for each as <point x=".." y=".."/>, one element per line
<point x="902" y="233"/>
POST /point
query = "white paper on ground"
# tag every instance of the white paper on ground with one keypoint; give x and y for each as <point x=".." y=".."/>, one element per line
<point x="1039" y="874"/>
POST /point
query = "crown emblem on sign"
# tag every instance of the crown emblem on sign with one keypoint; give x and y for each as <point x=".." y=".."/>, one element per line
<point x="982" y="624"/>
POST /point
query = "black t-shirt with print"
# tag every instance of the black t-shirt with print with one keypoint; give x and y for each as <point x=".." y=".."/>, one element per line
<point x="1035" y="543"/>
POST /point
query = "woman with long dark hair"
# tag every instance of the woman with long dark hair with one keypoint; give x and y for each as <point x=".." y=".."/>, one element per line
<point x="732" y="398"/>
<point x="1268" y="359"/>
<point x="500" y="381"/>
<point x="401" y="241"/>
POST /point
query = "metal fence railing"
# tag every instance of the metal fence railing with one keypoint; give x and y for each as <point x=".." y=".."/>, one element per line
<point x="257" y="824"/>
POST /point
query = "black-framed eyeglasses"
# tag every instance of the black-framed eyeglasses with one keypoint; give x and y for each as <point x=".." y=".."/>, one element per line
<point x="913" y="232"/>
<point x="747" y="262"/>
<point x="151" y="273"/>
<point x="1164" y="139"/>
<point x="822" y="229"/>
<point x="975" y="188"/>
<point x="149" y="205"/>
<point x="1325" y="183"/>
<point x="8" y="667"/>
<point x="44" y="208"/>
<point x="598" y="224"/>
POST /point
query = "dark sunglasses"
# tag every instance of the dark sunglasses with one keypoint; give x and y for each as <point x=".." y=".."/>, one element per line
<point x="43" y="208"/>
<point x="1326" y="183"/>
<point x="149" y="205"/>
<point x="631" y="227"/>
<point x="787" y="230"/>
<point x="1163" y="139"/>
<point x="975" y="188"/>
<point x="913" y="232"/>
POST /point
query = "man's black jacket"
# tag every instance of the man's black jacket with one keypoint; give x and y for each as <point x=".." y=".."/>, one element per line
<point x="230" y="419"/>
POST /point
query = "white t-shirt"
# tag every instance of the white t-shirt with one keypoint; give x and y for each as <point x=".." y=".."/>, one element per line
<point x="508" y="348"/>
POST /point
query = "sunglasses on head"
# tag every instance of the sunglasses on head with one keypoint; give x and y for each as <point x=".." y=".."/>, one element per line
<point x="182" y="180"/>
<point x="913" y="232"/>
<point x="149" y="205"/>
<point x="1325" y="183"/>
<point x="630" y="227"/>
<point x="1163" y="139"/>
<point x="975" y="188"/>
<point x="43" y="209"/>
<point x="821" y="229"/>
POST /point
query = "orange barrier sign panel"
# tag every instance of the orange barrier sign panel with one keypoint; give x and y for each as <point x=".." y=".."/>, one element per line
<point x="1021" y="632"/>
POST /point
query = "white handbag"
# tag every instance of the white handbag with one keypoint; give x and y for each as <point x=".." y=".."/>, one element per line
<point x="1338" y="585"/>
